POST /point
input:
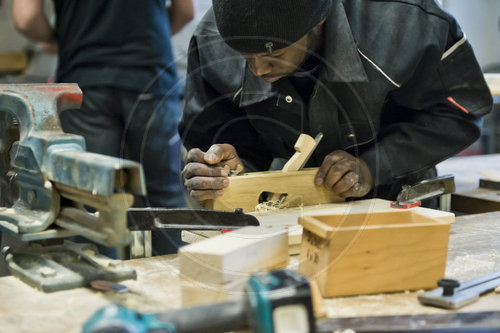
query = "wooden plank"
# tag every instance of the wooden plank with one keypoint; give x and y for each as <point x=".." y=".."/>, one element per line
<point x="474" y="249"/>
<point x="235" y="255"/>
<point x="244" y="190"/>
<point x="11" y="62"/>
<point x="493" y="81"/>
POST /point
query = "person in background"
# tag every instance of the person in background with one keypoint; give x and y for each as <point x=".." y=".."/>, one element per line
<point x="119" y="52"/>
<point x="394" y="86"/>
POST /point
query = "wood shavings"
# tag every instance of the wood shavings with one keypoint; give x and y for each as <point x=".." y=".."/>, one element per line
<point x="273" y="205"/>
<point x="235" y="172"/>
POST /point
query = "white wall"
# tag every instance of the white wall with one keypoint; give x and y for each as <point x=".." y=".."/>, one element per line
<point x="180" y="41"/>
<point x="42" y="66"/>
<point x="480" y="20"/>
<point x="10" y="39"/>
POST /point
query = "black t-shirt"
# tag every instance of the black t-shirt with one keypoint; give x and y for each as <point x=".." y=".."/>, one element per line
<point x="118" y="43"/>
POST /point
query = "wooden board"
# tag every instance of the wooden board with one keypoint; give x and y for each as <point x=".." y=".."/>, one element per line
<point x="235" y="255"/>
<point x="493" y="81"/>
<point x="474" y="249"/>
<point x="11" y="62"/>
<point x="244" y="190"/>
<point x="374" y="252"/>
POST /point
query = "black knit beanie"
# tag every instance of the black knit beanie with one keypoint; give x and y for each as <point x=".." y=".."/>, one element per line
<point x="257" y="26"/>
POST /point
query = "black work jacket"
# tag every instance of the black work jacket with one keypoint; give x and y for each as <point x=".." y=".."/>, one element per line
<point x="399" y="87"/>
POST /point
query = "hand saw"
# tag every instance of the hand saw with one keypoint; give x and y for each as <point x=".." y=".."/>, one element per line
<point x="187" y="219"/>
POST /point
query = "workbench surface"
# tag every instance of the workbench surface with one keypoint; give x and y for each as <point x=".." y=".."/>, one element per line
<point x="468" y="197"/>
<point x="474" y="250"/>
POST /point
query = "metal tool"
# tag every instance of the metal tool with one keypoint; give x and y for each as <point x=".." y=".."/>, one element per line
<point x="483" y="322"/>
<point x="275" y="302"/>
<point x="187" y="219"/>
<point x="49" y="164"/>
<point x="61" y="267"/>
<point x="453" y="294"/>
<point x="57" y="180"/>
<point x="412" y="196"/>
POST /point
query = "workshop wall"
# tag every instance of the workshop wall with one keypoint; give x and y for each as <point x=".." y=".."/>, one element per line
<point x="10" y="40"/>
<point x="480" y="20"/>
<point x="41" y="66"/>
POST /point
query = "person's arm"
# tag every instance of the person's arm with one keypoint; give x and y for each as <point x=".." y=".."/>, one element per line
<point x="180" y="13"/>
<point x="30" y="20"/>
<point x="433" y="116"/>
<point x="213" y="127"/>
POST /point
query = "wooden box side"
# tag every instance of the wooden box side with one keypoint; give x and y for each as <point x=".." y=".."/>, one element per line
<point x="385" y="254"/>
<point x="314" y="258"/>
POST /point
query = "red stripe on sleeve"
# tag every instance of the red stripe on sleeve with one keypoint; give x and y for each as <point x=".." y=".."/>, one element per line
<point x="452" y="101"/>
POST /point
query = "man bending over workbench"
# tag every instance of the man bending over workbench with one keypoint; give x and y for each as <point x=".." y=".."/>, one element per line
<point x="394" y="86"/>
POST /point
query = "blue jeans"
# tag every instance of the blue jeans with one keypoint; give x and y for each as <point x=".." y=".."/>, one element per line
<point x="142" y="128"/>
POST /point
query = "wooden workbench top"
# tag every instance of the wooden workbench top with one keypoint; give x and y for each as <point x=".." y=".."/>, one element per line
<point x="474" y="250"/>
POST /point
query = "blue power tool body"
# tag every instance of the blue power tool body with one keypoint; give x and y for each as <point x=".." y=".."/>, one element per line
<point x="275" y="302"/>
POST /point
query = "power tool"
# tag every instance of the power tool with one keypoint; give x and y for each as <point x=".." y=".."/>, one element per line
<point x="278" y="301"/>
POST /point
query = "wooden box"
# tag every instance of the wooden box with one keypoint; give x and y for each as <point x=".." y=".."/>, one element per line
<point x="355" y="253"/>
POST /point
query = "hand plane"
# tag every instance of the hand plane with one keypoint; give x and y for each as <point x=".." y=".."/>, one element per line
<point x="294" y="184"/>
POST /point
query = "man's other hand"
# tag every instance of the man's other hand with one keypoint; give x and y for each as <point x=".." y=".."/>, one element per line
<point x="344" y="174"/>
<point x="204" y="174"/>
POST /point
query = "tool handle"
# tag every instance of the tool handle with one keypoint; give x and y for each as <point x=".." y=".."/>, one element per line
<point x="213" y="318"/>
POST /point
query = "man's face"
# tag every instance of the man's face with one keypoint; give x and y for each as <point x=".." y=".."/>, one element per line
<point x="285" y="61"/>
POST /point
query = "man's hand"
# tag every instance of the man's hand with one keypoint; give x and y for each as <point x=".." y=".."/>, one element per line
<point x="346" y="175"/>
<point x="204" y="174"/>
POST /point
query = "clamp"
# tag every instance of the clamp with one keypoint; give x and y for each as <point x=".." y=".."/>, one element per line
<point x="55" y="180"/>
<point x="412" y="196"/>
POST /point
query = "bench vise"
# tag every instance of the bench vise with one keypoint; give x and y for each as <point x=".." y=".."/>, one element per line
<point x="52" y="187"/>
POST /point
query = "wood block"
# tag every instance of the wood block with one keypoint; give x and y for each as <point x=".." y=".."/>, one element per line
<point x="235" y="255"/>
<point x="374" y="252"/>
<point x="11" y="62"/>
<point x="244" y="190"/>
<point x="493" y="81"/>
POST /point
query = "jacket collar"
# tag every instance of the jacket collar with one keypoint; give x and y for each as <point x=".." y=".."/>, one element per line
<point x="342" y="60"/>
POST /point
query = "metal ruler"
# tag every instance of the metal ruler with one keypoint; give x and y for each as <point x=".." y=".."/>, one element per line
<point x="452" y="294"/>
